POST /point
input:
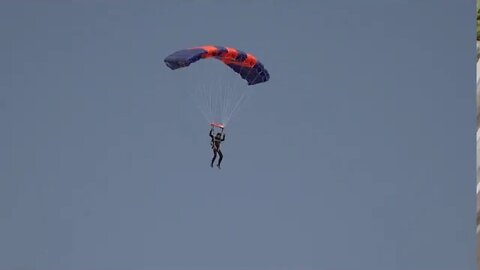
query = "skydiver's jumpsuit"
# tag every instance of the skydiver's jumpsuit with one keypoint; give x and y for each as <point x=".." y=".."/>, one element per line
<point x="216" y="140"/>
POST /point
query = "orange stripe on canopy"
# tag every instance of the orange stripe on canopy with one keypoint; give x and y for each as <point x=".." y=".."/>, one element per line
<point x="211" y="51"/>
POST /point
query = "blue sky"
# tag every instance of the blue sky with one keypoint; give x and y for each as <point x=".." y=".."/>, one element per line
<point x="357" y="154"/>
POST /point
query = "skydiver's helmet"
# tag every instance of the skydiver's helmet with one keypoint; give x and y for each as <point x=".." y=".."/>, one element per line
<point x="218" y="135"/>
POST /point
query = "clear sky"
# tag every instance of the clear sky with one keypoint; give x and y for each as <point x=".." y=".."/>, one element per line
<point x="357" y="154"/>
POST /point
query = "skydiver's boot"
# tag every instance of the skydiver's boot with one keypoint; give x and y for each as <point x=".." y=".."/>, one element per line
<point x="218" y="166"/>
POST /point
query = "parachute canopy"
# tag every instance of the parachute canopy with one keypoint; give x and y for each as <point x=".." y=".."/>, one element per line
<point x="245" y="64"/>
<point x="218" y="102"/>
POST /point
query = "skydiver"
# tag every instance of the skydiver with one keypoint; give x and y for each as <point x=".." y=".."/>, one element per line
<point x="215" y="143"/>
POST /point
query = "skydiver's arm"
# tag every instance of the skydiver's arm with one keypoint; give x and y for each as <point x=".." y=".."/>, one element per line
<point x="210" y="134"/>
<point x="223" y="139"/>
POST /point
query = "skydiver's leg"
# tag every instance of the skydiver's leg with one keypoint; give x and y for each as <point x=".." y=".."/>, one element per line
<point x="214" y="157"/>
<point x="220" y="157"/>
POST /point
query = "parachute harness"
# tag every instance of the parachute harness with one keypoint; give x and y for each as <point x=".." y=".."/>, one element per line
<point x="212" y="143"/>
